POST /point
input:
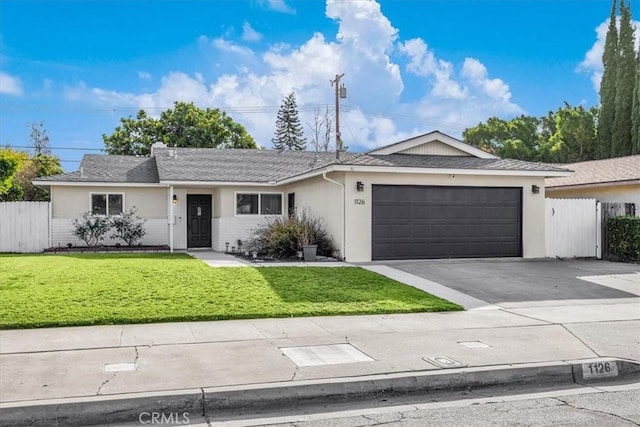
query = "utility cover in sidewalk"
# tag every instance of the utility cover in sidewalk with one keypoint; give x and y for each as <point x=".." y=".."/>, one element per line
<point x="474" y="344"/>
<point x="325" y="355"/>
<point x="443" y="362"/>
<point x="119" y="367"/>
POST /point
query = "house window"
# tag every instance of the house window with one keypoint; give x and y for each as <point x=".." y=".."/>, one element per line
<point x="107" y="204"/>
<point x="258" y="203"/>
<point x="247" y="204"/>
<point x="271" y="204"/>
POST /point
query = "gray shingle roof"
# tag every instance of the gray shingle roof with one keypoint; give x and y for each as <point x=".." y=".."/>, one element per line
<point x="449" y="162"/>
<point x="264" y="166"/>
<point x="236" y="165"/>
<point x="105" y="168"/>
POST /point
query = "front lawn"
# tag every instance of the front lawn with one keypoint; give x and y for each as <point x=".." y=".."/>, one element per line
<point x="93" y="289"/>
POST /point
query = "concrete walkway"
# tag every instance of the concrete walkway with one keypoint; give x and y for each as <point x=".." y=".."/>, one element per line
<point x="99" y="364"/>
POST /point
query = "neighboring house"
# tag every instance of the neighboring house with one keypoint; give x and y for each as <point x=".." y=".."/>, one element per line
<point x="431" y="196"/>
<point x="607" y="180"/>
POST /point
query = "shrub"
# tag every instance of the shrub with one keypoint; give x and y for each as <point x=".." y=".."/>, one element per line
<point x="128" y="227"/>
<point x="624" y="237"/>
<point x="91" y="229"/>
<point x="283" y="236"/>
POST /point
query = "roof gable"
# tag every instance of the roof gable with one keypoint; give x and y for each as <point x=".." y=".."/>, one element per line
<point x="433" y="144"/>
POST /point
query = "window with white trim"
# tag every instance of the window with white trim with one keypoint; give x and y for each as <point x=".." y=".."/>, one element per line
<point x="259" y="203"/>
<point x="107" y="204"/>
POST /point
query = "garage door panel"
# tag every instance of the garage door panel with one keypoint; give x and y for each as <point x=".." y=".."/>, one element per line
<point x="445" y="222"/>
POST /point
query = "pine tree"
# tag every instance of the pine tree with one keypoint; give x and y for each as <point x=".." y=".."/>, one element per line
<point x="635" y="112"/>
<point x="625" y="84"/>
<point x="608" y="88"/>
<point x="289" y="134"/>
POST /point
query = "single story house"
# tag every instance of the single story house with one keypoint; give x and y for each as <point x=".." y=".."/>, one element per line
<point x="431" y="196"/>
<point x="607" y="180"/>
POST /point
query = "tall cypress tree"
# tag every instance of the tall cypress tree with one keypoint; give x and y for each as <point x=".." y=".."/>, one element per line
<point x="289" y="134"/>
<point x="635" y="111"/>
<point x="625" y="84"/>
<point x="608" y="88"/>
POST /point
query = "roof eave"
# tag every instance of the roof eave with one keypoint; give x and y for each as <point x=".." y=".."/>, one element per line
<point x="449" y="171"/>
<point x="595" y="185"/>
<point x="95" y="184"/>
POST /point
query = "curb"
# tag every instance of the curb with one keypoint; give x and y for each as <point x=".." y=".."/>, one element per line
<point x="276" y="396"/>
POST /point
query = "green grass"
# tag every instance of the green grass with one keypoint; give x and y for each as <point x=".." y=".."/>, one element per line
<point x="64" y="290"/>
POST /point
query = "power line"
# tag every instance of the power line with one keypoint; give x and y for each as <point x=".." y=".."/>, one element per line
<point x="53" y="148"/>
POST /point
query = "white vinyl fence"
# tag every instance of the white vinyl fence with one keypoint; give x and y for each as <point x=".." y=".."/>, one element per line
<point x="573" y="228"/>
<point x="24" y="226"/>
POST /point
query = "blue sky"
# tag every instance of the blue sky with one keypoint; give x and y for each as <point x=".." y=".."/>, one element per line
<point x="411" y="66"/>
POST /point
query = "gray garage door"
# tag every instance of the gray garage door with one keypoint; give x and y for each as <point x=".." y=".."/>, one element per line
<point x="413" y="222"/>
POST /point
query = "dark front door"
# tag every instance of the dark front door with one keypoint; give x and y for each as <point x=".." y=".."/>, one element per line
<point x="199" y="220"/>
<point x="412" y="222"/>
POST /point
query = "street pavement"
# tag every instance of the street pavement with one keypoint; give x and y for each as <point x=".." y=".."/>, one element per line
<point x="53" y="367"/>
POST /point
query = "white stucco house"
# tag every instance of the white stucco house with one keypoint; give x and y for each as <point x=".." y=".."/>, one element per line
<point x="607" y="180"/>
<point x="430" y="196"/>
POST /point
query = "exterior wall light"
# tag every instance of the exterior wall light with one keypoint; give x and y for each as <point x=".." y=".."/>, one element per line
<point x="535" y="189"/>
<point x="175" y="199"/>
<point x="360" y="186"/>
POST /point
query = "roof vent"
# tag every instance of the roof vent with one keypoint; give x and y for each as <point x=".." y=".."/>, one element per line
<point x="81" y="172"/>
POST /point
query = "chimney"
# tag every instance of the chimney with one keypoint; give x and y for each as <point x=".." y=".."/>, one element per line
<point x="157" y="145"/>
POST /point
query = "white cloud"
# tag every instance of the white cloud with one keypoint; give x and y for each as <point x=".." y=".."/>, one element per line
<point x="229" y="46"/>
<point x="10" y="85"/>
<point x="477" y="75"/>
<point x="277" y="6"/>
<point x="144" y="75"/>
<point x="367" y="48"/>
<point x="423" y="62"/>
<point x="592" y="62"/>
<point x="249" y="33"/>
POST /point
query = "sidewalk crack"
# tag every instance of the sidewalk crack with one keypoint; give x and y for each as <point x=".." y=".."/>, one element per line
<point x="581" y="408"/>
<point x="105" y="383"/>
<point x="293" y="377"/>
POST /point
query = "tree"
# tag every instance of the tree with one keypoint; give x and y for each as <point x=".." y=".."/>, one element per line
<point x="625" y="80"/>
<point x="608" y="88"/>
<point x="565" y="135"/>
<point x="321" y="129"/>
<point x="183" y="126"/>
<point x="9" y="165"/>
<point x="289" y="134"/>
<point x="574" y="135"/>
<point x="487" y="136"/>
<point x="40" y="138"/>
<point x="635" y="111"/>
<point x="18" y="187"/>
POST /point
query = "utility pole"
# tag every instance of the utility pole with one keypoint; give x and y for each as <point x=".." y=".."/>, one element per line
<point x="341" y="92"/>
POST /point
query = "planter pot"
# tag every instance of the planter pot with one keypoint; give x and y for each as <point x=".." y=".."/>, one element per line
<point x="310" y="252"/>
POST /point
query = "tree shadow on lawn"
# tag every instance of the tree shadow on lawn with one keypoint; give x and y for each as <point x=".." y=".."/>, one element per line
<point x="343" y="285"/>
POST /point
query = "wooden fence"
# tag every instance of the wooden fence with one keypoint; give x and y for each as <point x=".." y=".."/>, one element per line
<point x="24" y="226"/>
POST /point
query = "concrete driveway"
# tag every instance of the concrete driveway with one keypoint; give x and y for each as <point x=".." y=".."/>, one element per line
<point x="497" y="281"/>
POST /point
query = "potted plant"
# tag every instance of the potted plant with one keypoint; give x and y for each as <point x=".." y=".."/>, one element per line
<point x="309" y="250"/>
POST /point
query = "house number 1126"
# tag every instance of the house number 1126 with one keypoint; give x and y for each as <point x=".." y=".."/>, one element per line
<point x="359" y="201"/>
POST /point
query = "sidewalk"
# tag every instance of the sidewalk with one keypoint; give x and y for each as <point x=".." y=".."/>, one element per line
<point x="104" y="363"/>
